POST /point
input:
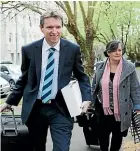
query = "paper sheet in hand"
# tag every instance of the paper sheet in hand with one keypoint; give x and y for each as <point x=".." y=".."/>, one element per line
<point x="73" y="98"/>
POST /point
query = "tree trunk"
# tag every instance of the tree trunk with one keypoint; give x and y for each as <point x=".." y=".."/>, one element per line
<point x="86" y="44"/>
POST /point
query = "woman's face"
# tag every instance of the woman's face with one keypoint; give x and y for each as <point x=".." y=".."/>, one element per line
<point x="116" y="55"/>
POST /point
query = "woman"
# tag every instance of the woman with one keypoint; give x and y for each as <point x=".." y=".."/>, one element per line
<point x="116" y="92"/>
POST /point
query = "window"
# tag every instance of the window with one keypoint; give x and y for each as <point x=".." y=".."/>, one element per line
<point x="10" y="37"/>
<point x="12" y="57"/>
<point x="18" y="56"/>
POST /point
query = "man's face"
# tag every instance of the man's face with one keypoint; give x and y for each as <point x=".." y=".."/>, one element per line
<point x="52" y="30"/>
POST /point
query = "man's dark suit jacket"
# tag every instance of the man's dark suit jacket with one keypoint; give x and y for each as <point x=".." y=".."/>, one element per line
<point x="28" y="84"/>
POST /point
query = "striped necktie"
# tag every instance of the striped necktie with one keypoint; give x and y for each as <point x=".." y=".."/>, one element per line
<point x="48" y="78"/>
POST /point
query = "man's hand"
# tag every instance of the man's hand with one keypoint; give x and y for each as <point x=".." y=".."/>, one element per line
<point x="85" y="105"/>
<point x="5" y="107"/>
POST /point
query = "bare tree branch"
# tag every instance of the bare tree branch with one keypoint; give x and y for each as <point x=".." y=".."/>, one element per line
<point x="101" y="40"/>
<point x="122" y="32"/>
<point x="97" y="25"/>
<point x="90" y="13"/>
<point x="83" y="12"/>
<point x="75" y="10"/>
<point x="67" y="5"/>
<point x="61" y="5"/>
<point x="89" y="9"/>
<point x="126" y="36"/>
<point x="18" y="13"/>
<point x="6" y="16"/>
<point x="10" y="8"/>
<point x="23" y="4"/>
<point x="29" y="6"/>
<point x="105" y="37"/>
<point x="128" y="27"/>
<point x="111" y="29"/>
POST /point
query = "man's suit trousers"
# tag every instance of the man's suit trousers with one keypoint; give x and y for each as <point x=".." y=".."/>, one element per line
<point x="44" y="116"/>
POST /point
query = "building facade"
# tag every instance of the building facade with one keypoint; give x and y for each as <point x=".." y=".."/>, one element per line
<point x="16" y="31"/>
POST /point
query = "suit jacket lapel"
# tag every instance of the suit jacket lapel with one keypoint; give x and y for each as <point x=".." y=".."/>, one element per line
<point x="38" y="59"/>
<point x="63" y="50"/>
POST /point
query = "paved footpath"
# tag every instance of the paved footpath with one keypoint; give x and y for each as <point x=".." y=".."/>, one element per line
<point x="78" y="140"/>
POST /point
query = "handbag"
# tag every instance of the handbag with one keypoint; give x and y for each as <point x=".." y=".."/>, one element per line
<point x="88" y="121"/>
<point x="135" y="127"/>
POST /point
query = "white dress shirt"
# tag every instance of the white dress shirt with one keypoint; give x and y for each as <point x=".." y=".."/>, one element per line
<point x="45" y="52"/>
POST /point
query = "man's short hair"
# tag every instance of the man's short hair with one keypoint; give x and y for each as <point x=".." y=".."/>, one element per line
<point x="51" y="14"/>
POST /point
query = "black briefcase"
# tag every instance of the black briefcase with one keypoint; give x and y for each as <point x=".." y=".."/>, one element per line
<point x="14" y="135"/>
<point x="90" y="127"/>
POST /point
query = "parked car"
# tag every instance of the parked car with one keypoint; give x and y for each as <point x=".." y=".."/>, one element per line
<point x="11" y="73"/>
<point x="137" y="64"/>
<point x="4" y="87"/>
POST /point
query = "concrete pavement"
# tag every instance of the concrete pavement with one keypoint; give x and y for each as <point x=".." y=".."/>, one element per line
<point x="78" y="141"/>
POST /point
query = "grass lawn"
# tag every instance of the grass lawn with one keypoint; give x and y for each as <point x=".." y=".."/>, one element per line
<point x="2" y="101"/>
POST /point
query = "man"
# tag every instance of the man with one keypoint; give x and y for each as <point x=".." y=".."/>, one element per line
<point x="47" y="67"/>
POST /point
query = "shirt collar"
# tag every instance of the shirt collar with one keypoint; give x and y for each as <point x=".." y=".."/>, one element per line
<point x="47" y="46"/>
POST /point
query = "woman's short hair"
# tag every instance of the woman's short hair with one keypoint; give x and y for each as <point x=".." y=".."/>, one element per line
<point x="49" y="14"/>
<point x="112" y="46"/>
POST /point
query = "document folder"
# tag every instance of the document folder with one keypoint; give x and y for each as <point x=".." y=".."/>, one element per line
<point x="73" y="98"/>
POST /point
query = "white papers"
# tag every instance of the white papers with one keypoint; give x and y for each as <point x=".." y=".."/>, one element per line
<point x="73" y="98"/>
